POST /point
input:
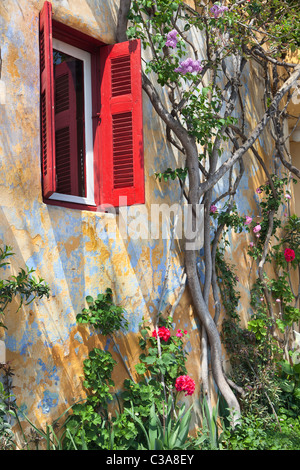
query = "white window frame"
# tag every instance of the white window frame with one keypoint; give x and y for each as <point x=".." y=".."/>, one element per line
<point x="89" y="154"/>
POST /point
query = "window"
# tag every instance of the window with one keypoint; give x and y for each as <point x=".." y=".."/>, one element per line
<point x="91" y="118"/>
<point x="73" y="124"/>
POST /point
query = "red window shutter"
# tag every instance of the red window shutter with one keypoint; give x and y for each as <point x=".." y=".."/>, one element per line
<point x="65" y="130"/>
<point x="47" y="101"/>
<point x="121" y="124"/>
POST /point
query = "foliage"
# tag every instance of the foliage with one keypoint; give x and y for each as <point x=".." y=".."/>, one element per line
<point x="228" y="279"/>
<point x="97" y="370"/>
<point x="256" y="351"/>
<point x="90" y="419"/>
<point x="28" y="288"/>
<point x="172" y="434"/>
<point x="170" y="362"/>
<point x="103" y="314"/>
<point x="163" y="356"/>
<point x="211" y="426"/>
<point x="50" y="438"/>
<point x="7" y="440"/>
<point x="254" y="434"/>
<point x="24" y="285"/>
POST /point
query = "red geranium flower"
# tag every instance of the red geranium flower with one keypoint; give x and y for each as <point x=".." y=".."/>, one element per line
<point x="163" y="333"/>
<point x="289" y="254"/>
<point x="184" y="383"/>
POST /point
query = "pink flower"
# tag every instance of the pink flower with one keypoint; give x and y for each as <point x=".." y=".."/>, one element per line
<point x="248" y="220"/>
<point x="179" y="333"/>
<point x="172" y="39"/>
<point x="277" y="300"/>
<point x="289" y="254"/>
<point x="287" y="196"/>
<point x="185" y="332"/>
<point x="163" y="333"/>
<point x="213" y="209"/>
<point x="258" y="190"/>
<point x="257" y="228"/>
<point x="184" y="383"/>
<point x="251" y="244"/>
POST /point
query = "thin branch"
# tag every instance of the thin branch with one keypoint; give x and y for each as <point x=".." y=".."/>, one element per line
<point x="180" y="293"/>
<point x="210" y="182"/>
<point x="122" y="358"/>
<point x="262" y="262"/>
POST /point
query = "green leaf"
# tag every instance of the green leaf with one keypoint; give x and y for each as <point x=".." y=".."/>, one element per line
<point x="297" y="393"/>
<point x="141" y="369"/>
<point x="153" y="428"/>
<point x="286" y="368"/>
<point x="297" y="368"/>
<point x="287" y="386"/>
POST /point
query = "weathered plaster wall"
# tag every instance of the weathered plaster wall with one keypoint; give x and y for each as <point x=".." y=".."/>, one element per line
<point x="80" y="253"/>
<point x="294" y="140"/>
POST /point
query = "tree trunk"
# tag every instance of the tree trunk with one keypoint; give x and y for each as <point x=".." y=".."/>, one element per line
<point x="212" y="334"/>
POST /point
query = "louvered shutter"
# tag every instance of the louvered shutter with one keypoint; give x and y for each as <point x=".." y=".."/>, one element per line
<point x="65" y="130"/>
<point x="47" y="101"/>
<point x="121" y="124"/>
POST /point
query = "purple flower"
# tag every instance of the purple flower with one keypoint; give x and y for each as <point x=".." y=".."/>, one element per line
<point x="257" y="228"/>
<point x="213" y="209"/>
<point x="189" y="66"/>
<point x="248" y="220"/>
<point x="172" y="39"/>
<point x="217" y="10"/>
<point x="258" y="190"/>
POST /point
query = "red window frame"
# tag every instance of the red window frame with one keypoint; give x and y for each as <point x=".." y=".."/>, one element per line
<point x="117" y="116"/>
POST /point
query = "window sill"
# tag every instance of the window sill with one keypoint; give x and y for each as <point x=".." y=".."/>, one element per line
<point x="72" y="199"/>
<point x="72" y="205"/>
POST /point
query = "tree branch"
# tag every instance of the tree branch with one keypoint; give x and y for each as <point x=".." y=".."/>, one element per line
<point x="122" y="20"/>
<point x="210" y="182"/>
